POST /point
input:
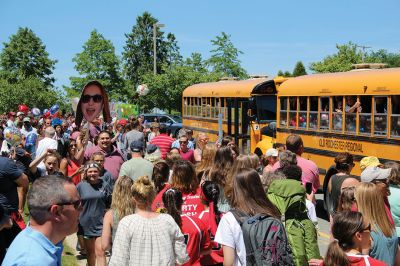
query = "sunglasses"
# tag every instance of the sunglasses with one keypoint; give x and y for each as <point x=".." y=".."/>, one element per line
<point x="77" y="204"/>
<point x="183" y="142"/>
<point x="97" y="98"/>
<point x="73" y="145"/>
<point x="368" y="228"/>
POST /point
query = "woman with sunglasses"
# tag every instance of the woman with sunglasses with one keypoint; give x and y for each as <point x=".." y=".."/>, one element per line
<point x="344" y="165"/>
<point x="71" y="165"/>
<point x="96" y="195"/>
<point x="384" y="238"/>
<point x="93" y="99"/>
<point x="352" y="241"/>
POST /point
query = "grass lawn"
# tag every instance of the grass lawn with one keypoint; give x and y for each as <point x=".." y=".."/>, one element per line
<point x="68" y="258"/>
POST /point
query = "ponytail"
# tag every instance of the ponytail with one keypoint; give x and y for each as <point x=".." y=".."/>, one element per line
<point x="172" y="199"/>
<point x="335" y="255"/>
<point x="210" y="194"/>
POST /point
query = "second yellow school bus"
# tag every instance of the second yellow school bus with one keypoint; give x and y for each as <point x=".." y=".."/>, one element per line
<point x="356" y="112"/>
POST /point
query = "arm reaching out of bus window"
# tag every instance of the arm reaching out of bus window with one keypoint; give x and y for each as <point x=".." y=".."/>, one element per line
<point x="352" y="105"/>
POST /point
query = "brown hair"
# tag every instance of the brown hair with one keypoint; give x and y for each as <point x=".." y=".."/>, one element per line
<point x="344" y="161"/>
<point x="106" y="107"/>
<point x="184" y="177"/>
<point x="248" y="194"/>
<point x="143" y="191"/>
<point x="122" y="202"/>
<point x="395" y="173"/>
<point x="294" y="143"/>
<point x="242" y="161"/>
<point x="370" y="203"/>
<point x="346" y="199"/>
<point x="172" y="199"/>
<point x="345" y="225"/>
<point x="207" y="157"/>
<point x="160" y="175"/>
<point x="223" y="162"/>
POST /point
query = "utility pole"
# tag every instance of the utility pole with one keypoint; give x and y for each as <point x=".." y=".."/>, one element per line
<point x="363" y="47"/>
<point x="155" y="25"/>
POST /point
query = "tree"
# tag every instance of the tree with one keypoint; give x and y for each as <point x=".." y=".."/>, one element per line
<point x="25" y="56"/>
<point x="166" y="88"/>
<point x="195" y="61"/>
<point x="299" y="70"/>
<point x="284" y="74"/>
<point x="382" y="56"/>
<point x="346" y="56"/>
<point x="138" y="52"/>
<point x="224" y="57"/>
<point x="30" y="91"/>
<point x="98" y="61"/>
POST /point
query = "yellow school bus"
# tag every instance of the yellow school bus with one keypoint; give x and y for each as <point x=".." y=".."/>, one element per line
<point x="356" y="112"/>
<point x="245" y="107"/>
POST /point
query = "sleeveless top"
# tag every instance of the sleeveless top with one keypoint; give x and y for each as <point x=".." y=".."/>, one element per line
<point x="71" y="168"/>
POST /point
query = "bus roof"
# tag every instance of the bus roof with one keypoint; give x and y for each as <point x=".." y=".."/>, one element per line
<point x="355" y="82"/>
<point x="231" y="88"/>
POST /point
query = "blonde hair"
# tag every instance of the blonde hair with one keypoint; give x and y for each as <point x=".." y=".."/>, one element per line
<point x="122" y="203"/>
<point x="200" y="135"/>
<point x="370" y="203"/>
<point x="242" y="161"/>
<point x="143" y="190"/>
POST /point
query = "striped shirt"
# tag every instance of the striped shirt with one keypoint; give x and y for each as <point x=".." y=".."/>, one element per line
<point x="164" y="142"/>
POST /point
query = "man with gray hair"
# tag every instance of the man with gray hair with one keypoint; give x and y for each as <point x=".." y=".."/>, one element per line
<point x="54" y="206"/>
<point x="48" y="142"/>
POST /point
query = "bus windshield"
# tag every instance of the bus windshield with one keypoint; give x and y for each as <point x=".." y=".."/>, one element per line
<point x="266" y="108"/>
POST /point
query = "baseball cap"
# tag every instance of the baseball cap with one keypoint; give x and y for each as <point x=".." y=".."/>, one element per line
<point x="369" y="161"/>
<point x="372" y="173"/>
<point x="271" y="152"/>
<point x="11" y="114"/>
<point x="137" y="146"/>
<point x="74" y="135"/>
<point x="26" y="119"/>
<point x="123" y="122"/>
<point x="20" y="113"/>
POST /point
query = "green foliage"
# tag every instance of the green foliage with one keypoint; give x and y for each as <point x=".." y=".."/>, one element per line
<point x="196" y="63"/>
<point x="25" y="56"/>
<point x="32" y="92"/>
<point x="284" y="74"/>
<point x="97" y="61"/>
<point x="299" y="70"/>
<point x="138" y="52"/>
<point x="224" y="57"/>
<point x="166" y="88"/>
<point x="382" y="56"/>
<point x="346" y="56"/>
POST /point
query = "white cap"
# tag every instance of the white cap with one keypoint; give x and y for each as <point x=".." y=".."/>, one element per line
<point x="272" y="152"/>
<point x="372" y="173"/>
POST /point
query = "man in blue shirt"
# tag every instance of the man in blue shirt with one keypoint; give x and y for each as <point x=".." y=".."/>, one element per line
<point x="54" y="206"/>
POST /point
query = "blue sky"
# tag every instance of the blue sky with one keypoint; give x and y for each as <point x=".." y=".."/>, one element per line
<point x="273" y="35"/>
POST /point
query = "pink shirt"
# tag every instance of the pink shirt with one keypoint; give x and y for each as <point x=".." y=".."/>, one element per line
<point x="310" y="172"/>
<point x="188" y="156"/>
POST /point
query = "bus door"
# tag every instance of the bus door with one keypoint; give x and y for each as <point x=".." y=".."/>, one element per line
<point x="238" y="123"/>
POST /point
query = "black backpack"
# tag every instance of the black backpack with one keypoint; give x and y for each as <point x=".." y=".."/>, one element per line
<point x="265" y="240"/>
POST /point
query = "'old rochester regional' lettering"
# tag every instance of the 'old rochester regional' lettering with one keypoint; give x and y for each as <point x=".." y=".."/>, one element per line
<point x="341" y="145"/>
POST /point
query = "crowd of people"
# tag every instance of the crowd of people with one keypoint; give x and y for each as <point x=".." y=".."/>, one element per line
<point x="134" y="194"/>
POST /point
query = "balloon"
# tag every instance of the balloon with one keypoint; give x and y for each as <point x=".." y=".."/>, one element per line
<point x="142" y="89"/>
<point x="47" y="114"/>
<point x="45" y="111"/>
<point x="54" y="109"/>
<point x="23" y="108"/>
<point x="31" y="139"/>
<point x="36" y="111"/>
<point x="12" y="136"/>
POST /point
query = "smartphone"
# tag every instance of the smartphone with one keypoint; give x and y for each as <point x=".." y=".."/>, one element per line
<point x="308" y="187"/>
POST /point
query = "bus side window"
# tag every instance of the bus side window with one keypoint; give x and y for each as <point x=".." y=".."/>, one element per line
<point x="395" y="117"/>
<point x="283" y="114"/>
<point x="365" y="115"/>
<point x="303" y="112"/>
<point x="380" y="116"/>
<point x="352" y="106"/>
<point x="324" y="118"/>
<point x="337" y="113"/>
<point x="313" y="119"/>
<point x="292" y="111"/>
